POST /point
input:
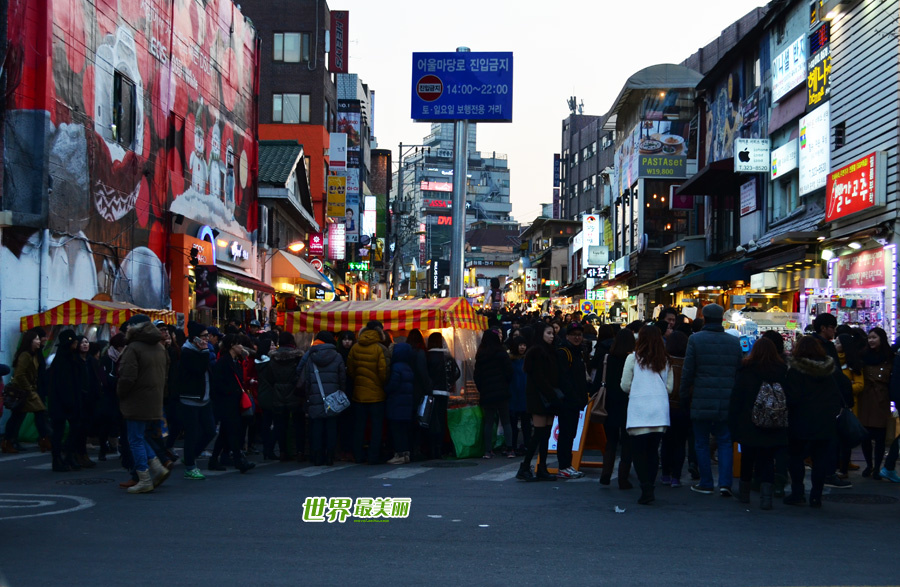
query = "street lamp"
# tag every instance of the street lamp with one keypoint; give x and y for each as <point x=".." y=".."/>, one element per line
<point x="296" y="247"/>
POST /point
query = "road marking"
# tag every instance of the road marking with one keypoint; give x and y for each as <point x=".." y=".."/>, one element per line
<point x="24" y="455"/>
<point x="401" y="473"/>
<point x="315" y="471"/>
<point x="44" y="467"/>
<point x="499" y="474"/>
<point x="233" y="470"/>
<point x="20" y="501"/>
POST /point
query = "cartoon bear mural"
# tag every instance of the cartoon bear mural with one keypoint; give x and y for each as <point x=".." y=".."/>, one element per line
<point x="118" y="119"/>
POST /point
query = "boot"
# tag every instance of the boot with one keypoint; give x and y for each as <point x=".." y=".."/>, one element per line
<point x="132" y="481"/>
<point x="244" y="465"/>
<point x="780" y="482"/>
<point x="647" y="495"/>
<point x="158" y="472"/>
<point x="406" y="458"/>
<point x="144" y="484"/>
<point x="59" y="466"/>
<point x="744" y="492"/>
<point x="44" y="444"/>
<point x="85" y="461"/>
<point x="543" y="474"/>
<point x="397" y="459"/>
<point x="72" y="462"/>
<point x="7" y="447"/>
<point x="214" y="465"/>
<point x="624" y="483"/>
<point x="525" y="473"/>
<point x="766" y="490"/>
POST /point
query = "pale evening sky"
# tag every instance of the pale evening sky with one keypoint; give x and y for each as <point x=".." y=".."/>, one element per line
<point x="583" y="48"/>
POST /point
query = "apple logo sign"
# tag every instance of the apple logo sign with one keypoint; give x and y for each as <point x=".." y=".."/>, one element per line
<point x="744" y="156"/>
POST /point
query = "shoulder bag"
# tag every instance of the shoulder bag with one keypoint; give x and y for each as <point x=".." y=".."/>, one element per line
<point x="13" y="396"/>
<point x="850" y="430"/>
<point x="598" y="400"/>
<point x="336" y="402"/>
<point x="247" y="405"/>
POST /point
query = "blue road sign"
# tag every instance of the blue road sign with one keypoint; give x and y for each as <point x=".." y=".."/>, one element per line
<point x="462" y="86"/>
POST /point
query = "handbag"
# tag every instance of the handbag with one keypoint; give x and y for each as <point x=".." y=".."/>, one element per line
<point x="247" y="406"/>
<point x="850" y="429"/>
<point x="598" y="400"/>
<point x="336" y="402"/>
<point x="551" y="404"/>
<point x="13" y="396"/>
<point x="425" y="411"/>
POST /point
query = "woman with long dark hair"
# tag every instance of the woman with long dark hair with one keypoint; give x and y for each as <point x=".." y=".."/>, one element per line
<point x="443" y="372"/>
<point x="648" y="380"/>
<point x="848" y="351"/>
<point x="814" y="403"/>
<point x="542" y="371"/>
<point x="674" y="441"/>
<point x="493" y="373"/>
<point x="616" y="410"/>
<point x="874" y="401"/>
<point x="26" y="376"/>
<point x="518" y="409"/>
<point x="764" y="366"/>
<point x="68" y="379"/>
<point x="226" y="392"/>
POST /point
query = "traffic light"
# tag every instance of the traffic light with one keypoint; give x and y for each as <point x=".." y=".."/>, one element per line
<point x="195" y="257"/>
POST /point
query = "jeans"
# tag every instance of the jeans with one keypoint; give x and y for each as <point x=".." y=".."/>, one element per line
<point x="323" y="438"/>
<point x="523" y="420"/>
<point x="821" y="452"/>
<point x="702" y="431"/>
<point x="764" y="460"/>
<point x="15" y="423"/>
<point x="362" y="413"/>
<point x="568" y="428"/>
<point x="645" y="451"/>
<point x="674" y="443"/>
<point x="199" y="429"/>
<point x="140" y="449"/>
<point x="490" y="424"/>
<point x="228" y="411"/>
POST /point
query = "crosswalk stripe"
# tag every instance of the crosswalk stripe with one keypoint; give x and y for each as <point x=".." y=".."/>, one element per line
<point x="24" y="455"/>
<point x="401" y="473"/>
<point x="315" y="471"/>
<point x="499" y="474"/>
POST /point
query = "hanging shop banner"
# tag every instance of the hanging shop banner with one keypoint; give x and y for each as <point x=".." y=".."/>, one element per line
<point x="531" y="280"/>
<point x="338" y="57"/>
<point x="556" y="210"/>
<point x="205" y="288"/>
<point x="590" y="229"/>
<point x="815" y="151"/>
<point x="349" y="122"/>
<point x="337" y="197"/>
<point x="337" y="151"/>
<point x="556" y="170"/>
<point x="819" y="66"/>
<point x="337" y="242"/>
<point x="861" y="270"/>
<point x="789" y="68"/>
<point x="784" y="159"/>
<point x="856" y="187"/>
<point x="316" y="244"/>
<point x="751" y="155"/>
<point x="748" y="197"/>
<point x="462" y="86"/>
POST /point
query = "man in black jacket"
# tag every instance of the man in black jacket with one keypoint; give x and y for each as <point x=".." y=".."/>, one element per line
<point x="573" y="382"/>
<point x="193" y="386"/>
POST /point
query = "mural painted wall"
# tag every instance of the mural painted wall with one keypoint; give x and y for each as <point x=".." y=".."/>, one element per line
<point x="108" y="183"/>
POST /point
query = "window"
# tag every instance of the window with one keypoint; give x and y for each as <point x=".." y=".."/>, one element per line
<point x="785" y="198"/>
<point x="290" y="108"/>
<point x="291" y="47"/>
<point x="327" y="115"/>
<point x="123" y="110"/>
<point x="840" y="135"/>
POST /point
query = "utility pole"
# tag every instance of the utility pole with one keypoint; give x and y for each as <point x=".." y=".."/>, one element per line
<point x="396" y="222"/>
<point x="460" y="171"/>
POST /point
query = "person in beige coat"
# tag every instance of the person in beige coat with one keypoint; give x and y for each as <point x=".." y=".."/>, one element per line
<point x="143" y="368"/>
<point x="25" y="377"/>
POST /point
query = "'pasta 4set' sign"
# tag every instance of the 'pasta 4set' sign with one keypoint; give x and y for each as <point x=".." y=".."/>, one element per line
<point x="462" y="86"/>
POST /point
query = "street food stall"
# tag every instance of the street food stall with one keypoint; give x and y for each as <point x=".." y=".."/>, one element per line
<point x="96" y="319"/>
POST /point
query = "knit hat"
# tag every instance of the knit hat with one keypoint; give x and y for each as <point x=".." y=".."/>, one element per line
<point x="286" y="339"/>
<point x="325" y="337"/>
<point x="195" y="329"/>
<point x="713" y="312"/>
<point x="66" y="338"/>
<point x="138" y="319"/>
<point x="118" y="340"/>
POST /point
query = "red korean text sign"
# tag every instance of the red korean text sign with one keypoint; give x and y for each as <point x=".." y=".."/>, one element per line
<point x="340" y="26"/>
<point x="860" y="270"/>
<point x="853" y="188"/>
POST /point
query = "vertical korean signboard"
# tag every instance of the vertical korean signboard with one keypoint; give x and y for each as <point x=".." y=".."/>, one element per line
<point x="819" y="66"/>
<point x="531" y="280"/>
<point x="337" y="243"/>
<point x="856" y="187"/>
<point x="462" y="86"/>
<point x="556" y="210"/>
<point x="316" y="244"/>
<point x="336" y="196"/>
<point x="349" y="122"/>
<point x="337" y="151"/>
<point x="815" y="152"/>
<point x="340" y="26"/>
<point x="789" y="68"/>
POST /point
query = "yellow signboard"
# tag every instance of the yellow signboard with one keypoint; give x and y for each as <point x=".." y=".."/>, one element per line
<point x="337" y="196"/>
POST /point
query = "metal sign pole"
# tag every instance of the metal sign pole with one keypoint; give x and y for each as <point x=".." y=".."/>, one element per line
<point x="458" y="234"/>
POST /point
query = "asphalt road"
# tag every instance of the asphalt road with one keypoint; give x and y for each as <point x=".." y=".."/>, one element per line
<point x="469" y="522"/>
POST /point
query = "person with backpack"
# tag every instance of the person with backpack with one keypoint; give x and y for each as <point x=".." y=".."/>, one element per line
<point x="400" y="390"/>
<point x="279" y="398"/>
<point x="758" y="418"/>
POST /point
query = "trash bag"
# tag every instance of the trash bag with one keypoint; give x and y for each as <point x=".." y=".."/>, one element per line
<point x="465" y="426"/>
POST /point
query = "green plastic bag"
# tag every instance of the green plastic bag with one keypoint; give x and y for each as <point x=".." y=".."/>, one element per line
<point x="465" y="431"/>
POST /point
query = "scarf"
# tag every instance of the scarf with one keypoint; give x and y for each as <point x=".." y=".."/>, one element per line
<point x="114" y="354"/>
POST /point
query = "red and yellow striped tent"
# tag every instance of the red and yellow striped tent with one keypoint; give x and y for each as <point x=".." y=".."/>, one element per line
<point x="75" y="312"/>
<point x="396" y="315"/>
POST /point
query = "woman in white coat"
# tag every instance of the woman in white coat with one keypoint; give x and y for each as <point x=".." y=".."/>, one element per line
<point x="648" y="380"/>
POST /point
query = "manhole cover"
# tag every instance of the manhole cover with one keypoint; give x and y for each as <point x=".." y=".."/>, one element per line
<point x="861" y="499"/>
<point x="86" y="481"/>
<point x="449" y="464"/>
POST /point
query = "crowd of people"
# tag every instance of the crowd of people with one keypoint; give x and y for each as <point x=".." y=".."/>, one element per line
<point x="676" y="391"/>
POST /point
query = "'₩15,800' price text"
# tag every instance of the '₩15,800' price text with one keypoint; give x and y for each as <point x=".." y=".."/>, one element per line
<point x="483" y="89"/>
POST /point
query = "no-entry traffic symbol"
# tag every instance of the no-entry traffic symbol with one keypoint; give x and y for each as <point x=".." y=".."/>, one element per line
<point x="429" y="88"/>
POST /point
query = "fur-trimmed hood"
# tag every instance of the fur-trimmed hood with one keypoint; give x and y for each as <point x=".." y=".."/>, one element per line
<point x="813" y="368"/>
